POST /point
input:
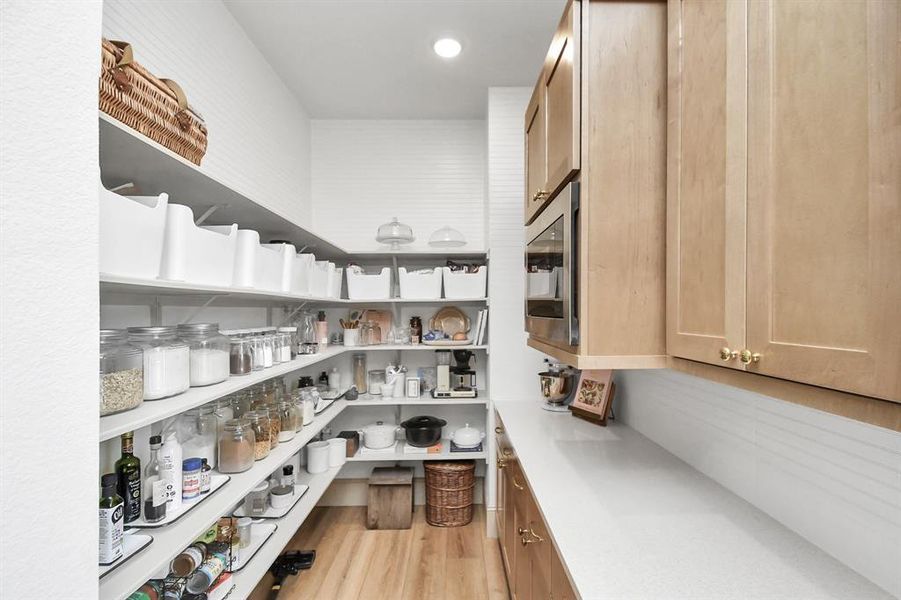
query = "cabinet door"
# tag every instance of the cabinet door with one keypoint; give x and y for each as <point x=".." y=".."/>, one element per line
<point x="706" y="172"/>
<point x="536" y="153"/>
<point x="560" y="587"/>
<point x="562" y="101"/>
<point x="522" y="568"/>
<point x="540" y="550"/>
<point x="824" y="193"/>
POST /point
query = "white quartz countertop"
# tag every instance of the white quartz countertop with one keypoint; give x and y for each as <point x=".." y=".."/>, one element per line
<point x="630" y="520"/>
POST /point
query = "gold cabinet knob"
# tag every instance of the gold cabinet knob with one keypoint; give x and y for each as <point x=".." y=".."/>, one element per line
<point x="727" y="354"/>
<point x="525" y="541"/>
<point x="747" y="357"/>
<point x="507" y="452"/>
<point x="498" y="430"/>
<point x="522" y="530"/>
<point x="501" y="463"/>
<point x="539" y="195"/>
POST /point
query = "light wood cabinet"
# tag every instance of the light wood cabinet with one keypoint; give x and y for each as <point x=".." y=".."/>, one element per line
<point x="552" y="117"/>
<point x="619" y="77"/>
<point x="560" y="587"/>
<point x="536" y="154"/>
<point x="784" y="222"/>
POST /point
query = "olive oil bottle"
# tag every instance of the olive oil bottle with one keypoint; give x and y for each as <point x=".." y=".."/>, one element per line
<point x="128" y="474"/>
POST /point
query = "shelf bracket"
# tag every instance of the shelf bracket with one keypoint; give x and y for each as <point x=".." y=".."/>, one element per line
<point x="208" y="213"/>
<point x="201" y="308"/>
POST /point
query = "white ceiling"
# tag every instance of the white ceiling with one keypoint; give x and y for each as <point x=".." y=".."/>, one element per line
<point x="373" y="59"/>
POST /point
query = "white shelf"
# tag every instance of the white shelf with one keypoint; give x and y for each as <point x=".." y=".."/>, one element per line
<point x="127" y="156"/>
<point x="424" y="400"/>
<point x="171" y="540"/>
<point x="152" y="411"/>
<point x="247" y="578"/>
<point x="411" y="348"/>
<point x="112" y="285"/>
<point x="400" y="455"/>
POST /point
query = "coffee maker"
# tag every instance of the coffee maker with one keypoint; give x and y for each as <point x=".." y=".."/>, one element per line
<point x="457" y="381"/>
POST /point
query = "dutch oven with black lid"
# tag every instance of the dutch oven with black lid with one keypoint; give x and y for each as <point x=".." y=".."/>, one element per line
<point x="423" y="431"/>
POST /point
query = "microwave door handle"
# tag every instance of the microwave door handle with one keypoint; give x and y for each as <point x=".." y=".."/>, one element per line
<point x="573" y="275"/>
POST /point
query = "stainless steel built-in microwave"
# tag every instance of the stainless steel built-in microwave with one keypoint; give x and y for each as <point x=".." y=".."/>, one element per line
<point x="552" y="290"/>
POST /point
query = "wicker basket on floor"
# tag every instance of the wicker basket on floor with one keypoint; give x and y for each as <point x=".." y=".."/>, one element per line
<point x="148" y="104"/>
<point x="449" y="490"/>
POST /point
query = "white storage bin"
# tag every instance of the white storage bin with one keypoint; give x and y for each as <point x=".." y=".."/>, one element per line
<point x="336" y="278"/>
<point x="302" y="274"/>
<point x="131" y="234"/>
<point x="256" y="266"/>
<point x="420" y="286"/>
<point x="361" y="286"/>
<point x="288" y="254"/>
<point x="458" y="285"/>
<point x="321" y="275"/>
<point x="199" y="255"/>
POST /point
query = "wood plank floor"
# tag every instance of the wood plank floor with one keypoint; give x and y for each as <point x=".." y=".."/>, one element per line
<point x="353" y="562"/>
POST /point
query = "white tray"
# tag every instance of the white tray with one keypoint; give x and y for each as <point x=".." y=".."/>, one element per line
<point x="260" y="533"/>
<point x="216" y="483"/>
<point x="447" y="342"/>
<point x="323" y="406"/>
<point x="132" y="544"/>
<point x="275" y="513"/>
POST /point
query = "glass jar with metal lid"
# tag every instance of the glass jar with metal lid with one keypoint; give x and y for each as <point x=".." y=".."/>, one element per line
<point x="237" y="443"/>
<point x="166" y="360"/>
<point x="209" y="355"/>
<point x="121" y="372"/>
<point x="293" y="340"/>
<point x="275" y="423"/>
<point x="291" y="420"/>
<point x="199" y="433"/>
<point x="259" y="421"/>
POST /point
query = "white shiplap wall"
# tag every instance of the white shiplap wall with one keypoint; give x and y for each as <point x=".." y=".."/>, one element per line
<point x="259" y="135"/>
<point x="513" y="365"/>
<point x="835" y="481"/>
<point x="426" y="173"/>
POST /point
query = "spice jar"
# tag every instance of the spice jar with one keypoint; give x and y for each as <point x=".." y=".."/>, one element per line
<point x="166" y="361"/>
<point x="190" y="483"/>
<point x="415" y="330"/>
<point x="359" y="371"/>
<point x="245" y="529"/>
<point x="259" y="421"/>
<point x="237" y="443"/>
<point x="209" y="353"/>
<point x="121" y="372"/>
<point x="240" y="361"/>
<point x="292" y="340"/>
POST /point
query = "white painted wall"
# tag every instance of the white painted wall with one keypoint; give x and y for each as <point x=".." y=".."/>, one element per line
<point x="259" y="134"/>
<point x="48" y="298"/>
<point x="513" y="364"/>
<point x="834" y="481"/>
<point x="426" y="173"/>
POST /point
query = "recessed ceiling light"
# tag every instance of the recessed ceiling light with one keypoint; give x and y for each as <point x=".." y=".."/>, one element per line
<point x="447" y="47"/>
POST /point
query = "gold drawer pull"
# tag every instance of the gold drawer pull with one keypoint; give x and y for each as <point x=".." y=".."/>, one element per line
<point x="727" y="354"/>
<point x="747" y="357"/>
<point x="517" y="485"/>
<point x="499" y="430"/>
<point x="501" y="463"/>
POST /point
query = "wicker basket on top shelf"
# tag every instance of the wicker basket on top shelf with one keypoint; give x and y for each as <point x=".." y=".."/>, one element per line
<point x="152" y="106"/>
<point x="449" y="491"/>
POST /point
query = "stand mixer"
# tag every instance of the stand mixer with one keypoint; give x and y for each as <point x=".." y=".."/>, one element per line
<point x="558" y="386"/>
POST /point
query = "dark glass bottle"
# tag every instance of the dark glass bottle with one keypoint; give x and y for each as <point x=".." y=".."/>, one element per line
<point x="154" y="485"/>
<point x="110" y="520"/>
<point x="415" y="330"/>
<point x="128" y="475"/>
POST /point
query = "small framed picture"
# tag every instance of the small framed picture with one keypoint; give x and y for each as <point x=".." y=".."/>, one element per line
<point x="594" y="396"/>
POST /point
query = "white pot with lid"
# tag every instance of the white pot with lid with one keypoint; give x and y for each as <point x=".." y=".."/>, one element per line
<point x="467" y="437"/>
<point x="379" y="435"/>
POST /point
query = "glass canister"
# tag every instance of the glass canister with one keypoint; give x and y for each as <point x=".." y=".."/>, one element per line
<point x="275" y="424"/>
<point x="242" y="403"/>
<point x="259" y="421"/>
<point x="237" y="442"/>
<point x="291" y="340"/>
<point x="376" y="379"/>
<point x="291" y="420"/>
<point x="224" y="409"/>
<point x="209" y="355"/>
<point x="275" y="341"/>
<point x="257" y="350"/>
<point x="199" y="428"/>
<point x="166" y="361"/>
<point x="121" y="372"/>
<point x="241" y="356"/>
<point x="359" y="370"/>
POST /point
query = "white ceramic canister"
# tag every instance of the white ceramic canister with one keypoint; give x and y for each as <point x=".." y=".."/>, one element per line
<point x="337" y="452"/>
<point x="317" y="457"/>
